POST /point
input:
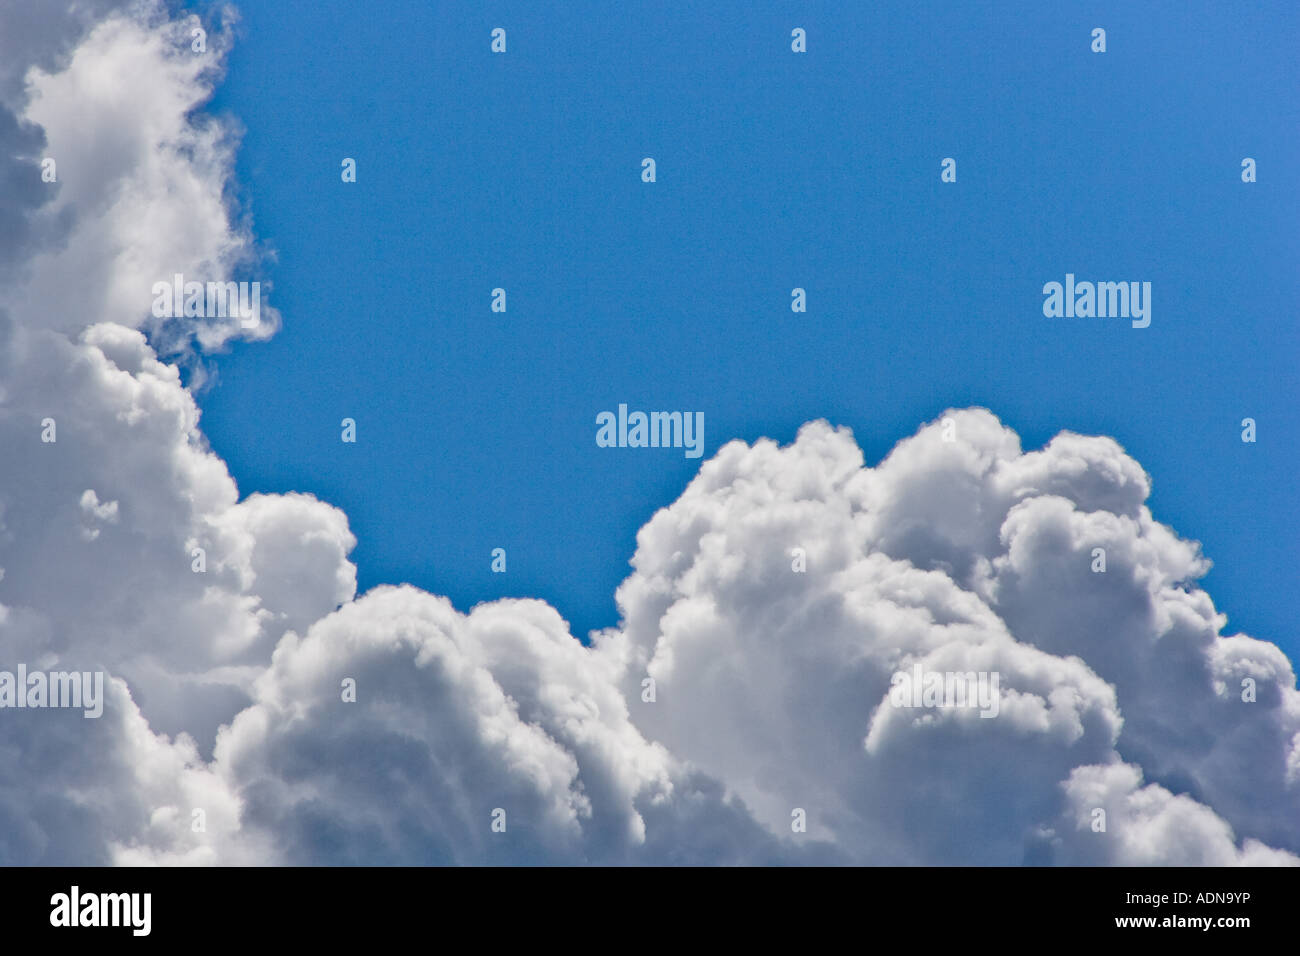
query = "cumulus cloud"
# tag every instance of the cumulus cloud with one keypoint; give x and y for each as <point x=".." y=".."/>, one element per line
<point x="34" y="34"/>
<point x="100" y="528"/>
<point x="962" y="555"/>
<point x="460" y="720"/>
<point x="107" y="488"/>
<point x="140" y="189"/>
<point x="1149" y="826"/>
<point x="746" y="690"/>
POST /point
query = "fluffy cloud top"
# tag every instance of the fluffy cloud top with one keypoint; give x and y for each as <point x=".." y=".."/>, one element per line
<point x="770" y="607"/>
<point x="140" y="190"/>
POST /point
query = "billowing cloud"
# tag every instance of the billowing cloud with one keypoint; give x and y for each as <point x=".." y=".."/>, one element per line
<point x="745" y="709"/>
<point x="139" y="194"/>
<point x="101" y="531"/>
<point x="958" y="553"/>
<point x="461" y="722"/>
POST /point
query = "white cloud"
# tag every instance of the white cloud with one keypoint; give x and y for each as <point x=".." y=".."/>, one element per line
<point x="139" y="196"/>
<point x="963" y="556"/>
<point x="130" y="466"/>
<point x="1148" y="826"/>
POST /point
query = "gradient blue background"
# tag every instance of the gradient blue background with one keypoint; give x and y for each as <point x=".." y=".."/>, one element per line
<point x="477" y="430"/>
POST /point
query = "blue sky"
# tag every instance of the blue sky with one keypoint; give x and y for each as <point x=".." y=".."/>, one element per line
<point x="477" y="430"/>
